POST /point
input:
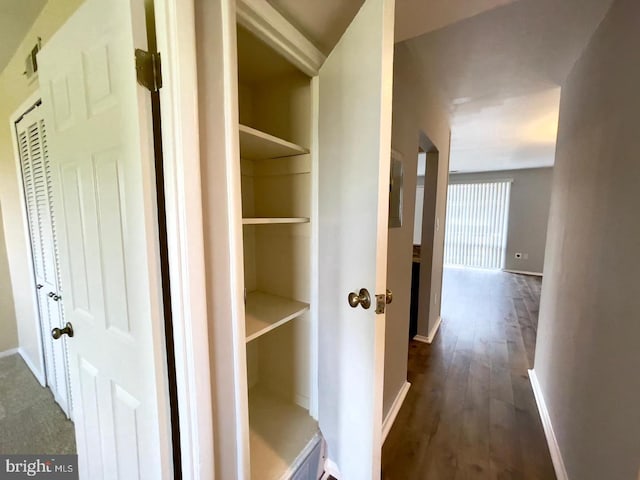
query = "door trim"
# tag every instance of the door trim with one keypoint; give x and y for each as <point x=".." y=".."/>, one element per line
<point x="175" y="35"/>
<point x="269" y="25"/>
<point x="36" y="365"/>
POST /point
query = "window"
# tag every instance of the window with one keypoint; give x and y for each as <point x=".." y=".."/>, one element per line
<point x="476" y="226"/>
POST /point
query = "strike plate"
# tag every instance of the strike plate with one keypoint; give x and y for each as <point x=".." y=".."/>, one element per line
<point x="381" y="301"/>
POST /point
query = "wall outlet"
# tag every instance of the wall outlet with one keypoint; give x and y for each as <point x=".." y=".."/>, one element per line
<point x="518" y="255"/>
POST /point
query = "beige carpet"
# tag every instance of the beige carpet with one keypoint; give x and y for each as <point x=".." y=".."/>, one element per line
<point x="31" y="422"/>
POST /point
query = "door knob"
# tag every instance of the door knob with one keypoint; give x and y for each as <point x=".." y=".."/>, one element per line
<point x="54" y="296"/>
<point x="56" y="333"/>
<point x="388" y="297"/>
<point x="363" y="299"/>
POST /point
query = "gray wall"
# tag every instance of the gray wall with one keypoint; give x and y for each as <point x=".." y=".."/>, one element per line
<point x="416" y="110"/>
<point x="588" y="349"/>
<point x="8" y="325"/>
<point x="528" y="213"/>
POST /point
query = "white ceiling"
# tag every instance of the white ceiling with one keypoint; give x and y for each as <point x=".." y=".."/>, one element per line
<point x="499" y="72"/>
<point x="519" y="132"/>
<point x="416" y="17"/>
<point x="497" y="65"/>
<point x="324" y="22"/>
<point x="16" y="16"/>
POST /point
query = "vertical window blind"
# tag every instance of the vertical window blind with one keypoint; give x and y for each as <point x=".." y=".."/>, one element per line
<point x="476" y="224"/>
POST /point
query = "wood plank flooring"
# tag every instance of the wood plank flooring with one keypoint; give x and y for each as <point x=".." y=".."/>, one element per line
<point x="470" y="412"/>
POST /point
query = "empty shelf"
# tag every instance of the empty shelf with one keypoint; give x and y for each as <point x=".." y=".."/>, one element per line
<point x="280" y="432"/>
<point x="264" y="312"/>
<point x="257" y="145"/>
<point x="272" y="220"/>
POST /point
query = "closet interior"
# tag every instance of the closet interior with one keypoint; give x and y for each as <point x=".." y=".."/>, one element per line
<point x="275" y="131"/>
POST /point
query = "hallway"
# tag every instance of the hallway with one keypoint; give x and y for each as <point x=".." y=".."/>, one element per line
<point x="470" y="412"/>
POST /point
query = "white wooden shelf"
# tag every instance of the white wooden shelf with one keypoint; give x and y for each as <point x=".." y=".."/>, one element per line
<point x="264" y="312"/>
<point x="272" y="220"/>
<point x="280" y="434"/>
<point x="257" y="145"/>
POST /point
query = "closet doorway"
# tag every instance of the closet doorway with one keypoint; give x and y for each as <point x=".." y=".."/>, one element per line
<point x="35" y="168"/>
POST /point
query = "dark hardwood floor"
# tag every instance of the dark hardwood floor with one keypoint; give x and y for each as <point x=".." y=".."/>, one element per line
<point x="470" y="412"/>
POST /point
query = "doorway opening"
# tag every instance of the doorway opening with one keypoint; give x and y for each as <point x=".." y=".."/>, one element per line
<point x="426" y="225"/>
<point x="47" y="411"/>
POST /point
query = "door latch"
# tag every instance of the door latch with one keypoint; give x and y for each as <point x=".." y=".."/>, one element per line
<point x="382" y="300"/>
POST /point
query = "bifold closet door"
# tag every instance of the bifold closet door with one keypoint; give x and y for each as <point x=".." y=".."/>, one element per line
<point x="35" y="163"/>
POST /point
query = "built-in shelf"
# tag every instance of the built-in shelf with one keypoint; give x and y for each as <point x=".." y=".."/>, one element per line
<point x="257" y="145"/>
<point x="281" y="433"/>
<point x="264" y="312"/>
<point x="272" y="220"/>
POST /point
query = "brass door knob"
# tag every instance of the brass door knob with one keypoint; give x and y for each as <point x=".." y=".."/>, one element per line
<point x="56" y="333"/>
<point x="363" y="299"/>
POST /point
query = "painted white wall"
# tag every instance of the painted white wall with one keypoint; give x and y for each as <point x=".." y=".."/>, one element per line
<point x="415" y="109"/>
<point x="14" y="90"/>
<point x="587" y="352"/>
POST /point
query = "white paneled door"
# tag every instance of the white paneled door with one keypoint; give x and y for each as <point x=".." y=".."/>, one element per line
<point x="355" y="86"/>
<point x="100" y="141"/>
<point x="35" y="163"/>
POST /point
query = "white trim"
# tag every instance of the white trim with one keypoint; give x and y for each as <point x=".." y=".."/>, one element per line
<point x="38" y="372"/>
<point x="269" y="25"/>
<point x="463" y="181"/>
<point x="434" y="330"/>
<point x="39" y="375"/>
<point x="222" y="205"/>
<point x="522" y="272"/>
<point x="432" y="333"/>
<point x="315" y="248"/>
<point x="394" y="410"/>
<point x="331" y="469"/>
<point x="7" y="353"/>
<point x="554" y="449"/>
<point x="175" y="34"/>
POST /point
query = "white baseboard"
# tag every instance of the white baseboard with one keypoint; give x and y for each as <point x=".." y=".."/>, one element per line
<point x="36" y="373"/>
<point x="522" y="272"/>
<point x="432" y="333"/>
<point x="6" y="353"/>
<point x="393" y="411"/>
<point x="554" y="449"/>
<point x="331" y="469"/>
<point x="434" y="330"/>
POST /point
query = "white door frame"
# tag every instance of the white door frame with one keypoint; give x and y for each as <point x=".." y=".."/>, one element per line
<point x="175" y="34"/>
<point x="176" y="39"/>
<point x="38" y="370"/>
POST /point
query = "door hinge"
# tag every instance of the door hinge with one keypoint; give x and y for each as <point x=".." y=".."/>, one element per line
<point x="148" y="69"/>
